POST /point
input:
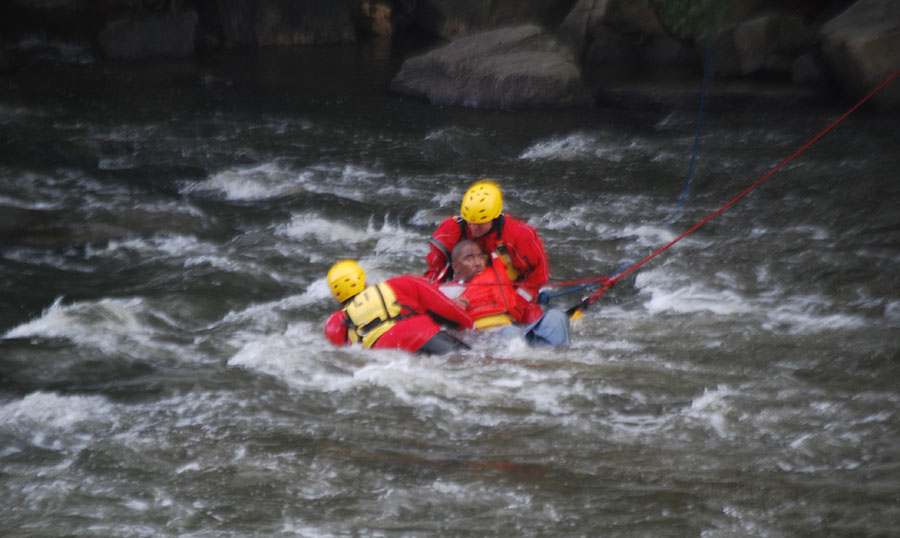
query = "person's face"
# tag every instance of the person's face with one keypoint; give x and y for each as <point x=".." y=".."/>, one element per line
<point x="477" y="230"/>
<point x="468" y="263"/>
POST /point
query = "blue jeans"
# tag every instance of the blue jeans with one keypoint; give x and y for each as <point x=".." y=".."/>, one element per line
<point x="551" y="330"/>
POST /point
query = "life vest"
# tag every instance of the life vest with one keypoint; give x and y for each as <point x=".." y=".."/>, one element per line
<point x="446" y="273"/>
<point x="512" y="273"/>
<point x="371" y="313"/>
<point x="491" y="297"/>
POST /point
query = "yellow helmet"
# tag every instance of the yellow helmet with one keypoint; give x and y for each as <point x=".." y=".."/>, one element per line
<point x="345" y="279"/>
<point x="482" y="202"/>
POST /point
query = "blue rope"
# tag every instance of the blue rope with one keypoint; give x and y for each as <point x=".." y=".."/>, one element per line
<point x="687" y="181"/>
<point x="572" y="290"/>
<point x="545" y="297"/>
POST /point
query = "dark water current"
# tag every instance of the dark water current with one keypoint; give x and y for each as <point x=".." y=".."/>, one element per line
<point x="165" y="229"/>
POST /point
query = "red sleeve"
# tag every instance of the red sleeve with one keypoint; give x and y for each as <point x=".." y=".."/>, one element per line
<point x="335" y="329"/>
<point x="531" y="311"/>
<point x="428" y="299"/>
<point x="442" y="242"/>
<point x="527" y="251"/>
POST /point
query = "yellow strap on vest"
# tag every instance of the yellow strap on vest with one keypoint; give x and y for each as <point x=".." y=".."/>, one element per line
<point x="372" y="313"/>
<point x="492" y="321"/>
<point x="503" y="254"/>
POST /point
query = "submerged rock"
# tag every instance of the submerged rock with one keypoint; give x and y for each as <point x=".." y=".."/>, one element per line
<point x="518" y="67"/>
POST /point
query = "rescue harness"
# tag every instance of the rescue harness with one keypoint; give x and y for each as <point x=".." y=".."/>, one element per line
<point x="371" y="313"/>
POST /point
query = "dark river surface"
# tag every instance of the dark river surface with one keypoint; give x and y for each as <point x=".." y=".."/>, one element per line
<point x="165" y="229"/>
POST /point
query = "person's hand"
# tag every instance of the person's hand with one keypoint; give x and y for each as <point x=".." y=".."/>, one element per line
<point x="462" y="302"/>
<point x="543" y="298"/>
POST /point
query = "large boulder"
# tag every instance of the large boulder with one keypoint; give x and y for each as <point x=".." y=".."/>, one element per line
<point x="765" y="43"/>
<point x="152" y="36"/>
<point x="621" y="34"/>
<point x="293" y="22"/>
<point x="626" y="56"/>
<point x="517" y="67"/>
<point x="690" y="20"/>
<point x="861" y="47"/>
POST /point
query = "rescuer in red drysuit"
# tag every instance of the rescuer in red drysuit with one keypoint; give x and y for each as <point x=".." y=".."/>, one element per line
<point x="481" y="219"/>
<point x="401" y="313"/>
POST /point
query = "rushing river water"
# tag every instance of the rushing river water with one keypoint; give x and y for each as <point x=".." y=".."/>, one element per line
<point x="166" y="228"/>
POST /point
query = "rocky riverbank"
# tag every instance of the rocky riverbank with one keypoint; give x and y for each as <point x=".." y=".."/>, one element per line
<point x="510" y="53"/>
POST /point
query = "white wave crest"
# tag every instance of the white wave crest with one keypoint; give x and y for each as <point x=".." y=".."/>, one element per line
<point x="49" y="410"/>
<point x="311" y="225"/>
<point x="809" y="314"/>
<point x="125" y="326"/>
<point x="572" y="147"/>
<point x="696" y="298"/>
<point x="712" y="408"/>
<point x="267" y="180"/>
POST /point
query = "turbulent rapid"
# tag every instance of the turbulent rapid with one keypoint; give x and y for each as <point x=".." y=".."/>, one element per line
<point x="166" y="229"/>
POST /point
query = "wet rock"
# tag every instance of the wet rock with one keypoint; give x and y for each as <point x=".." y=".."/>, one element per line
<point x="861" y="48"/>
<point x="285" y="22"/>
<point x="767" y="43"/>
<point x="382" y="17"/>
<point x="376" y="17"/>
<point x="153" y="36"/>
<point x="807" y="69"/>
<point x="288" y="22"/>
<point x="594" y="22"/>
<point x="627" y="58"/>
<point x="621" y="34"/>
<point x="518" y="67"/>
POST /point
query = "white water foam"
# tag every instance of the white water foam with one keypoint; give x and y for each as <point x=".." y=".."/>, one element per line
<point x="115" y="326"/>
<point x="186" y="251"/>
<point x="267" y="180"/>
<point x="670" y="293"/>
<point x="186" y="247"/>
<point x="277" y="178"/>
<point x="576" y="146"/>
<point x="576" y="221"/>
<point x="324" y="230"/>
<point x="52" y="421"/>
<point x="808" y="314"/>
<point x="300" y="356"/>
<point x="50" y="410"/>
<point x="712" y="408"/>
<point x="695" y="298"/>
<point x="347" y="181"/>
<point x="37" y="205"/>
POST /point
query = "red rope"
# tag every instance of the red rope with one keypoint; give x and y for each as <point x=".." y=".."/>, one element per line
<point x="597" y="294"/>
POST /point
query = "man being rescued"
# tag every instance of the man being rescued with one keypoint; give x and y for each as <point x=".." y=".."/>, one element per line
<point x="484" y="290"/>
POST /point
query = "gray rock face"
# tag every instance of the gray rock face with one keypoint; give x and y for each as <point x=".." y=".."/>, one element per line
<point x="769" y="43"/>
<point x="510" y="68"/>
<point x="861" y="48"/>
